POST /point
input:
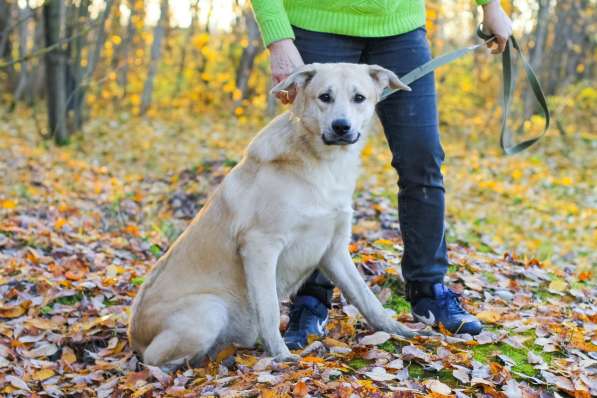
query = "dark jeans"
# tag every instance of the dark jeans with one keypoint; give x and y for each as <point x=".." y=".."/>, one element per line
<point x="410" y="122"/>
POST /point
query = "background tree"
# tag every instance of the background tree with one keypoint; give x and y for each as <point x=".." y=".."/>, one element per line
<point x="54" y="20"/>
<point x="156" y="49"/>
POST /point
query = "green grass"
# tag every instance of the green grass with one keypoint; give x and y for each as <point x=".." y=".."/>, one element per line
<point x="389" y="346"/>
<point x="485" y="353"/>
<point x="416" y="371"/>
<point x="358" y="363"/>
<point x="398" y="304"/>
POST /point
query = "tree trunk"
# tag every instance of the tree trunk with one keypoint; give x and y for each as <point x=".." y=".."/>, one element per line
<point x="92" y="60"/>
<point x="156" y="49"/>
<point x="54" y="13"/>
<point x="6" y="44"/>
<point x="123" y="77"/>
<point x="38" y="71"/>
<point x="185" y="46"/>
<point x="79" y="45"/>
<point x="24" y="81"/>
<point x="247" y="59"/>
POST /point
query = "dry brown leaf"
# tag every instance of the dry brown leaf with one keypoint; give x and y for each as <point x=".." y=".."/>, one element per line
<point x="300" y="389"/>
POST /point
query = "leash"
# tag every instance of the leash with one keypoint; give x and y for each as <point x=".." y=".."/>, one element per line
<point x="508" y="86"/>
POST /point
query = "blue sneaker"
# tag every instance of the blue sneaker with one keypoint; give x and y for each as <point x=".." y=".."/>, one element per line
<point x="308" y="316"/>
<point x="433" y="304"/>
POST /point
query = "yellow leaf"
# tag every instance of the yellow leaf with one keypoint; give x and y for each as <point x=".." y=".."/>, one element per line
<point x="43" y="374"/>
<point x="59" y="223"/>
<point x="489" y="316"/>
<point x="558" y="285"/>
<point x="68" y="356"/>
<point x="312" y="360"/>
<point x="8" y="204"/>
<point x="11" y="312"/>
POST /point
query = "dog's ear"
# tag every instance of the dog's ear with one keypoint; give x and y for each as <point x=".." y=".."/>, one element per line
<point x="384" y="78"/>
<point x="297" y="79"/>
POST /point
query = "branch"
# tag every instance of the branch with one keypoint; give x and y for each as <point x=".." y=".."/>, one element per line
<point x="45" y="50"/>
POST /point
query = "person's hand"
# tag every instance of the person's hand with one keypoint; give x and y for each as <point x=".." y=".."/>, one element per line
<point x="498" y="24"/>
<point x="284" y="59"/>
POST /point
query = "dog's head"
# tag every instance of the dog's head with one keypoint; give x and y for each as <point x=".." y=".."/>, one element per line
<point x="337" y="101"/>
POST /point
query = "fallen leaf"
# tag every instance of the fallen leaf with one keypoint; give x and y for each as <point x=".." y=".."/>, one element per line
<point x="558" y="286"/>
<point x="410" y="352"/>
<point x="43" y="374"/>
<point x="437" y="387"/>
<point x="300" y="389"/>
<point x="489" y="316"/>
<point x="461" y="374"/>
<point x="379" y="374"/>
<point x="12" y="312"/>
<point x="17" y="382"/>
<point x="376" y="338"/>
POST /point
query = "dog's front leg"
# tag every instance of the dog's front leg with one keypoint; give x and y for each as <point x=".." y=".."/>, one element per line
<point x="260" y="254"/>
<point x="338" y="266"/>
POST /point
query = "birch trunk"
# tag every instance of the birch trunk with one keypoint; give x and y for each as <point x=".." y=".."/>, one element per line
<point x="156" y="49"/>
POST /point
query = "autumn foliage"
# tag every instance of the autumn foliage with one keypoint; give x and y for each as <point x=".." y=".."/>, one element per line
<point x="81" y="225"/>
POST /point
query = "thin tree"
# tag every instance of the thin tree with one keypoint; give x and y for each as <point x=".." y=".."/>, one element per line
<point x="125" y="48"/>
<point x="156" y="49"/>
<point x="25" y="14"/>
<point x="54" y="16"/>
<point x="250" y="52"/>
<point x="6" y="44"/>
<point x="185" y="46"/>
<point x="93" y="58"/>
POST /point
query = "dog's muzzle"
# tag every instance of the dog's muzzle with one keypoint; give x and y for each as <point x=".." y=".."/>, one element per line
<point x="345" y="139"/>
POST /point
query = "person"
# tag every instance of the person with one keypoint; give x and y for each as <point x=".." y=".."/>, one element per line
<point x="391" y="34"/>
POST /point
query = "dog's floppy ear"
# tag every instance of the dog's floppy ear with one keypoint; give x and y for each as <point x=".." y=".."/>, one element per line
<point x="297" y="79"/>
<point x="384" y="78"/>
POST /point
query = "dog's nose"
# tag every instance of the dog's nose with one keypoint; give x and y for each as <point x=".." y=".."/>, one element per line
<point x="341" y="126"/>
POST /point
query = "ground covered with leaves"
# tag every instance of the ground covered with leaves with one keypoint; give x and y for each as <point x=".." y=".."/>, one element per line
<point x="81" y="226"/>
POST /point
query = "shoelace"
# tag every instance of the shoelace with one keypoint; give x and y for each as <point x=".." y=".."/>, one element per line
<point x="453" y="302"/>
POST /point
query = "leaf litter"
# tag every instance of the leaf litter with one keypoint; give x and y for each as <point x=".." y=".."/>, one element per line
<point x="77" y="237"/>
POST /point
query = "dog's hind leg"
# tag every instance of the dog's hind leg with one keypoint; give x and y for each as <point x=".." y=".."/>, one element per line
<point x="189" y="333"/>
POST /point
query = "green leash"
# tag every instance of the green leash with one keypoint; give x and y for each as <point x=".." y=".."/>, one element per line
<point x="507" y="67"/>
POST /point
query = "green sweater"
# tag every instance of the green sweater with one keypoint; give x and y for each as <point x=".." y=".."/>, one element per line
<point x="362" y="18"/>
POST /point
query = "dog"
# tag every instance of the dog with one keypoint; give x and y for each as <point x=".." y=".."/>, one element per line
<point x="281" y="213"/>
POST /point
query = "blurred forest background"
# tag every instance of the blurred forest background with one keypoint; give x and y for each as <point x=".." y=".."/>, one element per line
<point x="119" y="117"/>
<point x="86" y="71"/>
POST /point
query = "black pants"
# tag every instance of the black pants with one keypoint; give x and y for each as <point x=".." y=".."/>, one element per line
<point x="411" y="126"/>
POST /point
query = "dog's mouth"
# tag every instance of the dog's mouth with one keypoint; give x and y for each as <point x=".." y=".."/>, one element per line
<point x="341" y="139"/>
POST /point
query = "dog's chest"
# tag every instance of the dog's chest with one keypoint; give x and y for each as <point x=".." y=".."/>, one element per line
<point x="308" y="244"/>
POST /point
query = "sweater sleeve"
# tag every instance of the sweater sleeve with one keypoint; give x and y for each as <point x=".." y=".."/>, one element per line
<point x="272" y="20"/>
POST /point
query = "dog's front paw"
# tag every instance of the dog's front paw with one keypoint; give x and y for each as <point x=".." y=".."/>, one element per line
<point x="287" y="357"/>
<point x="400" y="329"/>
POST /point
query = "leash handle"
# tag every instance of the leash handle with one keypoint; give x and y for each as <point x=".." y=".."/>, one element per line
<point x="507" y="72"/>
<point x="507" y="69"/>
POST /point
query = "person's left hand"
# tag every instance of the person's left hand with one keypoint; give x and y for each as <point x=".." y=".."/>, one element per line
<point x="498" y="24"/>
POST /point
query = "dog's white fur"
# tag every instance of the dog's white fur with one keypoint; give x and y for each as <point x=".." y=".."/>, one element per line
<point x="282" y="212"/>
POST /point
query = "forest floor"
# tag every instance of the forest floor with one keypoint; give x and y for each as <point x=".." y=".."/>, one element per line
<point x="82" y="225"/>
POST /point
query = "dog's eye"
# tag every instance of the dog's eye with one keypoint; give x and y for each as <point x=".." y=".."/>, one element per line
<point x="325" y="97"/>
<point x="358" y="98"/>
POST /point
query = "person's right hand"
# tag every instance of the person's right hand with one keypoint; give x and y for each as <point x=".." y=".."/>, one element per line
<point x="284" y="59"/>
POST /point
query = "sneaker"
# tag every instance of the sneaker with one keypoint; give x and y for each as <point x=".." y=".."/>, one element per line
<point x="308" y="316"/>
<point x="433" y="304"/>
